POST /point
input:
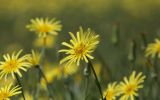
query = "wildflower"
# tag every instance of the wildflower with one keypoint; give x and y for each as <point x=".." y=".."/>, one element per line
<point x="111" y="92"/>
<point x="70" y="70"/>
<point x="129" y="88"/>
<point x="9" y="80"/>
<point x="153" y="49"/>
<point x="80" y="47"/>
<point x="50" y="42"/>
<point x="13" y="64"/>
<point x="28" y="96"/>
<point x="44" y="26"/>
<point x="58" y="72"/>
<point x="98" y="68"/>
<point x="7" y="91"/>
<point x="35" y="58"/>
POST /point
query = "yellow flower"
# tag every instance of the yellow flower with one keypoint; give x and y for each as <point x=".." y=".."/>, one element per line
<point x="28" y="96"/>
<point x="35" y="58"/>
<point x="80" y="47"/>
<point x="153" y="49"/>
<point x="7" y="91"/>
<point x="98" y="68"/>
<point x="70" y="70"/>
<point x="50" y="42"/>
<point x="53" y="73"/>
<point x="44" y="26"/>
<point x="9" y="80"/>
<point x="13" y="64"/>
<point x="129" y="88"/>
<point x="111" y="92"/>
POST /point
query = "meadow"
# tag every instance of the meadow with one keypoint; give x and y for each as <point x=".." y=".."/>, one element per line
<point x="79" y="50"/>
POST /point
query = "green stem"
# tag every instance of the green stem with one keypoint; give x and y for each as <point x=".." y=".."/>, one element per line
<point x="96" y="78"/>
<point x="19" y="83"/>
<point x="41" y="64"/>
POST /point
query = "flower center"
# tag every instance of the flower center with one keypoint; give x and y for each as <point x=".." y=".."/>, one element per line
<point x="80" y="49"/>
<point x="44" y="28"/>
<point x="11" y="65"/>
<point x="4" y="95"/>
<point x="158" y="47"/>
<point x="109" y="95"/>
<point x="130" y="89"/>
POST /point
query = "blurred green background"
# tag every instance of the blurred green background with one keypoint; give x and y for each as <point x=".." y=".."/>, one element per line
<point x="133" y="16"/>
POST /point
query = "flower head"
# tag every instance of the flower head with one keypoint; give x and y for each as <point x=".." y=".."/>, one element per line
<point x="153" y="49"/>
<point x="9" y="80"/>
<point x="129" y="88"/>
<point x="7" y="91"/>
<point x="80" y="47"/>
<point x="111" y="92"/>
<point x="35" y="58"/>
<point x="57" y="73"/>
<point x="13" y="64"/>
<point x="28" y="96"/>
<point x="44" y="26"/>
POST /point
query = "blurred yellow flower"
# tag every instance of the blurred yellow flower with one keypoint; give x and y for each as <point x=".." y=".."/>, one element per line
<point x="28" y="96"/>
<point x="13" y="64"/>
<point x="58" y="72"/>
<point x="44" y="26"/>
<point x="50" y="42"/>
<point x="35" y="58"/>
<point x="111" y="92"/>
<point x="153" y="49"/>
<point x="9" y="80"/>
<point x="70" y="70"/>
<point x="7" y="91"/>
<point x="129" y="88"/>
<point x="97" y="67"/>
<point x="80" y="47"/>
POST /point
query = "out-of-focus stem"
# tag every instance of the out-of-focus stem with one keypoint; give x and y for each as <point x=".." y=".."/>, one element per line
<point x="115" y="33"/>
<point x="132" y="51"/>
<point x="42" y="59"/>
<point x="96" y="78"/>
<point x="132" y="54"/>
<point x="19" y="83"/>
<point x="44" y="77"/>
<point x="144" y="40"/>
<point x="44" y="41"/>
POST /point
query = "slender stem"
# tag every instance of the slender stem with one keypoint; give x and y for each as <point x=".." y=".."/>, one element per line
<point x="44" y="77"/>
<point x="19" y="83"/>
<point x="96" y="78"/>
<point x="41" y="64"/>
<point x="44" y="41"/>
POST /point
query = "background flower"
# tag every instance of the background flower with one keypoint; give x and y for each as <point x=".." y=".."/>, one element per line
<point x="44" y="26"/>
